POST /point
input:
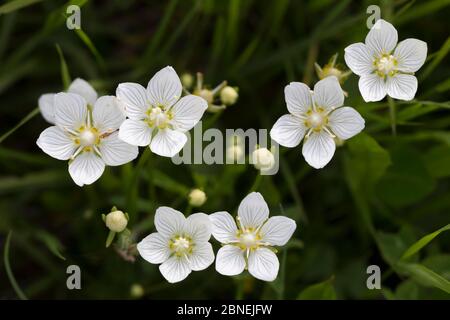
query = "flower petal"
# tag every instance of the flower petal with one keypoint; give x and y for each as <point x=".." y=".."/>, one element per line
<point x="187" y="112"/>
<point x="107" y="115"/>
<point x="134" y="98"/>
<point x="46" y="107"/>
<point x="253" y="211"/>
<point x="135" y="132"/>
<point x="86" y="168"/>
<point x="318" y="149"/>
<point x="278" y="230"/>
<point x="410" y="55"/>
<point x="346" y="122"/>
<point x="298" y="98"/>
<point x="56" y="143"/>
<point x="230" y="260"/>
<point x="382" y="38"/>
<point x="372" y="87"/>
<point x="224" y="227"/>
<point x="175" y="269"/>
<point x="70" y="110"/>
<point x="84" y="89"/>
<point x="263" y="264"/>
<point x="402" y="86"/>
<point x="116" y="152"/>
<point x="164" y="88"/>
<point x="202" y="256"/>
<point x="328" y="93"/>
<point x="359" y="58"/>
<point x="168" y="142"/>
<point x="169" y="221"/>
<point x="199" y="227"/>
<point x="288" y="131"/>
<point x="154" y="248"/>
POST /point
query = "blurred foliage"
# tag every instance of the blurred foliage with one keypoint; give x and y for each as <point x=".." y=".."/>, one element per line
<point x="379" y="195"/>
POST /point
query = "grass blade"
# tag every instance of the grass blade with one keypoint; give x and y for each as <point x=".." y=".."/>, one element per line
<point x="9" y="272"/>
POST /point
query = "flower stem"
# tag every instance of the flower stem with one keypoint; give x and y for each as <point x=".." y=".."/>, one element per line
<point x="27" y="118"/>
<point x="393" y="116"/>
<point x="132" y="186"/>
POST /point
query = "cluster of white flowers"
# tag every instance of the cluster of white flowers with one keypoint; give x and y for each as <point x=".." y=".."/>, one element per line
<point x="93" y="132"/>
<point x="181" y="245"/>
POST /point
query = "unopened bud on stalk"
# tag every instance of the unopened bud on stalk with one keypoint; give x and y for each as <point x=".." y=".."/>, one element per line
<point x="116" y="220"/>
<point x="197" y="198"/>
<point x="332" y="69"/>
<point x="229" y="95"/>
<point x="263" y="159"/>
<point x="187" y="80"/>
<point x="136" y="291"/>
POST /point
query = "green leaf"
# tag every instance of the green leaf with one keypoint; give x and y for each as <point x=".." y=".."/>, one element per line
<point x="425" y="276"/>
<point x="16" y="5"/>
<point x="167" y="183"/>
<point x="27" y="118"/>
<point x="437" y="161"/>
<point x="65" y="75"/>
<point x="407" y="181"/>
<point x="90" y="45"/>
<point x="8" y="269"/>
<point x="320" y="291"/>
<point x="110" y="238"/>
<point x="51" y="242"/>
<point x="407" y="290"/>
<point x="423" y="242"/>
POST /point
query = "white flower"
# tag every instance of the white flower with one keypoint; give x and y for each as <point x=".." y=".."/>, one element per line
<point x="382" y="69"/>
<point x="156" y="115"/>
<point x="180" y="245"/>
<point x="318" y="116"/>
<point x="86" y="136"/>
<point x="250" y="245"/>
<point x="78" y="86"/>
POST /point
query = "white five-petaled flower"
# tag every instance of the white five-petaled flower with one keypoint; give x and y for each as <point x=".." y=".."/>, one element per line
<point x="78" y="86"/>
<point x="319" y="117"/>
<point x="180" y="245"/>
<point x="156" y="114"/>
<point x="87" y="136"/>
<point x="382" y="69"/>
<point x="249" y="244"/>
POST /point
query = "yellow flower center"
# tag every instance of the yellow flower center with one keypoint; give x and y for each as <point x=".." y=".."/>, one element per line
<point x="158" y="118"/>
<point x="316" y="119"/>
<point x="248" y="239"/>
<point x="88" y="137"/>
<point x="386" y="65"/>
<point x="181" y="245"/>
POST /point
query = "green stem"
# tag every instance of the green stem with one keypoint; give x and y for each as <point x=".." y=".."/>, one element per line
<point x="132" y="186"/>
<point x="9" y="272"/>
<point x="27" y="118"/>
<point x="393" y="115"/>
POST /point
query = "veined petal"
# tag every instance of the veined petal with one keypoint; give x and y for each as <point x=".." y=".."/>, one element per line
<point x="135" y="99"/>
<point x="169" y="222"/>
<point x="168" y="142"/>
<point x="372" y="87"/>
<point x="70" y="110"/>
<point x="288" y="131"/>
<point x="175" y="269"/>
<point x="187" y="112"/>
<point x="154" y="248"/>
<point x="410" y="55"/>
<point x="402" y="86"/>
<point x="199" y="227"/>
<point x="328" y="93"/>
<point x="359" y="58"/>
<point x="382" y="38"/>
<point x="202" y="256"/>
<point x="86" y="168"/>
<point x="107" y="115"/>
<point x="318" y="149"/>
<point x="56" y="143"/>
<point x="263" y="264"/>
<point x="253" y="211"/>
<point x="224" y="227"/>
<point x="230" y="260"/>
<point x="46" y="107"/>
<point x="135" y="132"/>
<point x="84" y="89"/>
<point x="164" y="88"/>
<point x="116" y="152"/>
<point x="278" y="230"/>
<point x="346" y="122"/>
<point x="298" y="98"/>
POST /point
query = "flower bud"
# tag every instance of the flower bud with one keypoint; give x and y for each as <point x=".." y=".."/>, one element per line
<point x="197" y="198"/>
<point x="116" y="221"/>
<point x="228" y="95"/>
<point x="332" y="69"/>
<point x="263" y="159"/>
<point x="187" y="80"/>
<point x="206" y="94"/>
<point x="136" y="291"/>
